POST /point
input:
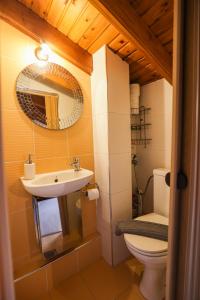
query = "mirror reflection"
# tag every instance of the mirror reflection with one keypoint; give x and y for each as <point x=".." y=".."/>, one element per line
<point x="50" y="95"/>
<point x="58" y="224"/>
<point x="58" y="230"/>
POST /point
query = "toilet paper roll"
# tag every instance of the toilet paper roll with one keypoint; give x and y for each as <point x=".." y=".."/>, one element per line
<point x="135" y="104"/>
<point x="135" y="89"/>
<point x="93" y="194"/>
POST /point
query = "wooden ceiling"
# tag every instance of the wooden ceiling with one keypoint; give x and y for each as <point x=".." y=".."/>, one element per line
<point x="90" y="28"/>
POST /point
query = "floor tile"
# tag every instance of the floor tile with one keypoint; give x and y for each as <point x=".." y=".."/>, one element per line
<point x="135" y="267"/>
<point x="100" y="281"/>
<point x="71" y="289"/>
<point x="106" y="282"/>
<point x="132" y="293"/>
<point x="45" y="297"/>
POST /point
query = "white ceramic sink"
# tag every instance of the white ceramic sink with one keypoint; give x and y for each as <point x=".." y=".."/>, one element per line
<point x="58" y="183"/>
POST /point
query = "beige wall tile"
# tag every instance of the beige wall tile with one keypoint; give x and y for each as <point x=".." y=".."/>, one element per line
<point x="120" y="173"/>
<point x="99" y="82"/>
<point x="61" y="269"/>
<point x="15" y="43"/>
<point x="87" y="107"/>
<point x="89" y="253"/>
<point x="103" y="207"/>
<point x="120" y="124"/>
<point x="112" y="137"/>
<point x="8" y="94"/>
<point x="121" y="206"/>
<point x="52" y="164"/>
<point x="106" y="235"/>
<point x="100" y="133"/>
<point x="101" y="162"/>
<point x="88" y="216"/>
<point x="17" y="136"/>
<point x="50" y="148"/>
<point x="31" y="287"/>
<point x="23" y="238"/>
<point x="50" y="143"/>
<point x="158" y="96"/>
<point x="79" y="143"/>
<point x="86" y="161"/>
<point x="73" y="289"/>
<point x="118" y="84"/>
<point x="18" y="198"/>
<point x="120" y="250"/>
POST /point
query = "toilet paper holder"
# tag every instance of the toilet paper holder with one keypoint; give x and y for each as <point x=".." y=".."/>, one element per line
<point x="88" y="187"/>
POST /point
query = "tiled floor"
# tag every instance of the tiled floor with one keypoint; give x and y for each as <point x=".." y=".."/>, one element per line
<point x="100" y="281"/>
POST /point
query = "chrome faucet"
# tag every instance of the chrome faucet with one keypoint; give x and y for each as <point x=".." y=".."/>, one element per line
<point x="76" y="163"/>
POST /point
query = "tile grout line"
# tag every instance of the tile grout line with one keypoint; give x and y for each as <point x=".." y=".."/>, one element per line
<point x="85" y="285"/>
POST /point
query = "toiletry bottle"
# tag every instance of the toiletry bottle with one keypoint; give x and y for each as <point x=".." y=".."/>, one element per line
<point x="29" y="168"/>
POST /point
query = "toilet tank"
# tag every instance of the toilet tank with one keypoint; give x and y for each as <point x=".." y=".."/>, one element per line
<point x="161" y="192"/>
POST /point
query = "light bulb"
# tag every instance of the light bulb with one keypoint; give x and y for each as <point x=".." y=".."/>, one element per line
<point x="42" y="52"/>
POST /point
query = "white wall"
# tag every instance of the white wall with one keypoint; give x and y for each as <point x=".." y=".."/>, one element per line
<point x="158" y="96"/>
<point x="112" y="148"/>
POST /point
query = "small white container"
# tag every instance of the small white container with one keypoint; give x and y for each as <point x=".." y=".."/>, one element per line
<point x="29" y="168"/>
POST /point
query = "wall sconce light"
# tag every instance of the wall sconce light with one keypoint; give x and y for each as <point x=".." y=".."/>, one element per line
<point x="42" y="52"/>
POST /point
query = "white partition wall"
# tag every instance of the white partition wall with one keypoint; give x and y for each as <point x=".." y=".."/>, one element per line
<point x="112" y="148"/>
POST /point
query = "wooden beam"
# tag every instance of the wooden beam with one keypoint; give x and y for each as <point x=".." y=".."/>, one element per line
<point x="123" y="16"/>
<point x="37" y="28"/>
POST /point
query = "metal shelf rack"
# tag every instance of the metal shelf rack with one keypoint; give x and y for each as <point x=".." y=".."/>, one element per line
<point x="139" y="126"/>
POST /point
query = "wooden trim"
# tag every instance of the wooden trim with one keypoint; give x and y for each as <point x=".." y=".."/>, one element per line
<point x="188" y="272"/>
<point x="37" y="28"/>
<point x="6" y="268"/>
<point x="184" y="263"/>
<point x="176" y="150"/>
<point x="123" y="16"/>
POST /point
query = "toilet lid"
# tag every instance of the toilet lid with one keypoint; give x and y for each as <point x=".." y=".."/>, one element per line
<point x="146" y="245"/>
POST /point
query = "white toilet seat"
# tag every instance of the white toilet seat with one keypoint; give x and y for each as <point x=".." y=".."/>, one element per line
<point x="148" y="246"/>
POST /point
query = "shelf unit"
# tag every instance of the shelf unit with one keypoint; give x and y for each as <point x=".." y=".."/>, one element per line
<point x="139" y="126"/>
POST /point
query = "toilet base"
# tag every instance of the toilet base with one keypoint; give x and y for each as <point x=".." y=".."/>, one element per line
<point x="152" y="284"/>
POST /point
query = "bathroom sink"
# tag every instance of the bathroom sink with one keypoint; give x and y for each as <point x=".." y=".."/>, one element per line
<point x="58" y="183"/>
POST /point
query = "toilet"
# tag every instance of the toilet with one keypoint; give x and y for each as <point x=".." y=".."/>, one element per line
<point x="149" y="251"/>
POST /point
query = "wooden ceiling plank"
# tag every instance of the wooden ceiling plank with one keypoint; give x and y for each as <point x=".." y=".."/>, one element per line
<point x="83" y="23"/>
<point x="126" y="50"/>
<point x="126" y="20"/>
<point x="105" y="38"/>
<point x="56" y="11"/>
<point x="140" y="65"/>
<point x="144" y="77"/>
<point x="40" y="7"/>
<point x="26" y="2"/>
<point x="118" y="42"/>
<point x="71" y="15"/>
<point x="142" y="7"/>
<point x="166" y="36"/>
<point x="93" y="32"/>
<point x="31" y="24"/>
<point x="143" y="71"/>
<point x="169" y="46"/>
<point x="156" y="12"/>
<point x="163" y="24"/>
<point x="136" y="55"/>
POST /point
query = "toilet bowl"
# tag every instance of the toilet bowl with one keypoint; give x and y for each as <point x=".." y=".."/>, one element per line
<point x="153" y="254"/>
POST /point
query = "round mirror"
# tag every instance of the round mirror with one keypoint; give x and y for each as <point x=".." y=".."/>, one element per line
<point x="49" y="95"/>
